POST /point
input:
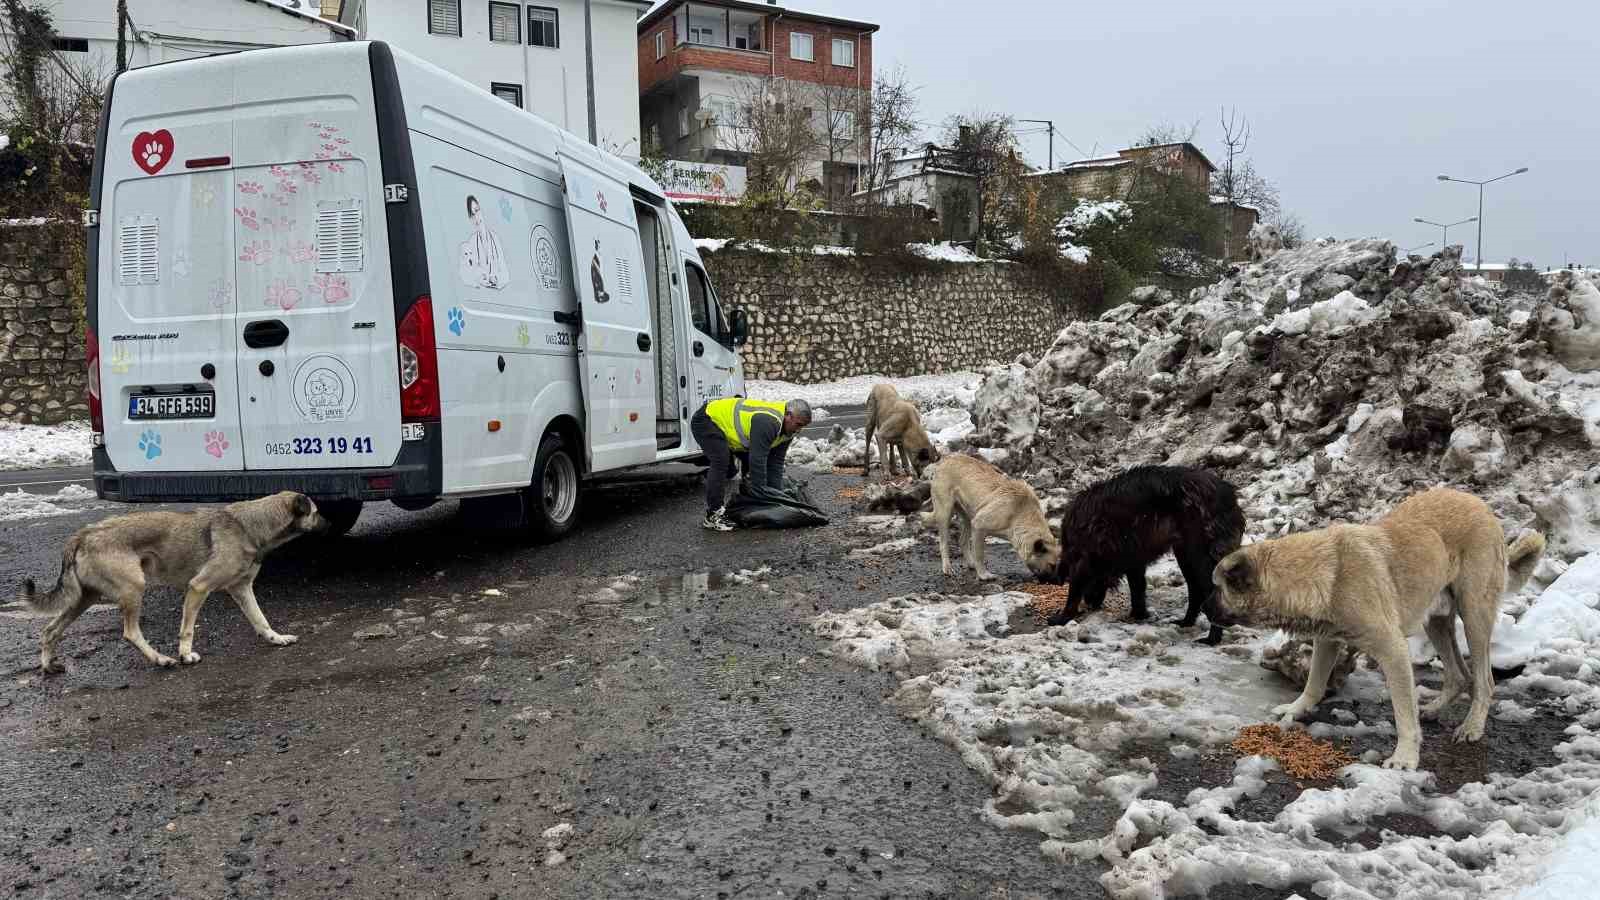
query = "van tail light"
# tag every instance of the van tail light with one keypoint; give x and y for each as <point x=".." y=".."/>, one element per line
<point x="419" y="363"/>
<point x="91" y="357"/>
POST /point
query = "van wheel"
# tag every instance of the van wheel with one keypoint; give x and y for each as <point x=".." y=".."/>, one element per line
<point x="556" y="492"/>
<point x="341" y="515"/>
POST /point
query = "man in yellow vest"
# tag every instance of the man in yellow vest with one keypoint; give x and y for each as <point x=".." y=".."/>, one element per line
<point x="758" y="431"/>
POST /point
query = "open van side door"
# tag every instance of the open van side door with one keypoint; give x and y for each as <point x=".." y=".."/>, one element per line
<point x="615" y="360"/>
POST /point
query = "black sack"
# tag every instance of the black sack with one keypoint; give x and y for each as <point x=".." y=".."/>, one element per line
<point x="790" y="509"/>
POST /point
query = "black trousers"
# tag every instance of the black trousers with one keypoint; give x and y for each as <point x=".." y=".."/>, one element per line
<point x="718" y="454"/>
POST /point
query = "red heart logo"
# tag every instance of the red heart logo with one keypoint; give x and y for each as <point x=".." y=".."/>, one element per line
<point x="152" y="150"/>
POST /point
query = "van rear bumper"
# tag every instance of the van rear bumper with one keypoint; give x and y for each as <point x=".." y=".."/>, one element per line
<point x="416" y="473"/>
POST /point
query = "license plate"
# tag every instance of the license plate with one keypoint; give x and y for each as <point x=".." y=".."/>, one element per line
<point x="172" y="406"/>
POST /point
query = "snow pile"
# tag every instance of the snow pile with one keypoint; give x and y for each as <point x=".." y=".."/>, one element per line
<point x="18" y="505"/>
<point x="43" y="446"/>
<point x="1327" y="382"/>
<point x="945" y="251"/>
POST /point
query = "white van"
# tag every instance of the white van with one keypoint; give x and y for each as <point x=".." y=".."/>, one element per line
<point x="375" y="281"/>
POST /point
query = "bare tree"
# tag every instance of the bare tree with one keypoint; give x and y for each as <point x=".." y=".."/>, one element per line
<point x="774" y="130"/>
<point x="892" y="123"/>
<point x="1237" y="180"/>
<point x="985" y="145"/>
<point x="840" y="110"/>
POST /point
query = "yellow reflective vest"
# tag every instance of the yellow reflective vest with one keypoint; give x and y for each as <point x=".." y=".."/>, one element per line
<point x="734" y="415"/>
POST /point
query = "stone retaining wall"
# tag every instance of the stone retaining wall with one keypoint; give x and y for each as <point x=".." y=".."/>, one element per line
<point x="41" y="324"/>
<point x="819" y="318"/>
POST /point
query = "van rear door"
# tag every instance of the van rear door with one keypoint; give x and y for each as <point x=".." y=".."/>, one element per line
<point x="165" y="321"/>
<point x="317" y="363"/>
<point x="615" y="360"/>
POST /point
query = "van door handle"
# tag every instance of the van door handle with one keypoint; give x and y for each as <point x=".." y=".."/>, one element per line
<point x="643" y="341"/>
<point x="699" y="349"/>
<point x="265" y="333"/>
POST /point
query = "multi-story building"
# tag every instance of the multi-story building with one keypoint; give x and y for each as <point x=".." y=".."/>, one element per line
<point x="529" y="54"/>
<point x="702" y="62"/>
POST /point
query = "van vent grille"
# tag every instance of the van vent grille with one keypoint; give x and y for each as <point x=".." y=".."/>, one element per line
<point x="624" y="277"/>
<point x="138" y="250"/>
<point x="340" y="238"/>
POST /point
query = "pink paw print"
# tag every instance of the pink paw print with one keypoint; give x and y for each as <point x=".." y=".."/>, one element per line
<point x="249" y="187"/>
<point x="216" y="443"/>
<point x="247" y="218"/>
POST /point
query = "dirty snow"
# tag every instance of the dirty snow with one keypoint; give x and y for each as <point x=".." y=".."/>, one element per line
<point x="43" y="446"/>
<point x="945" y="251"/>
<point x="18" y="505"/>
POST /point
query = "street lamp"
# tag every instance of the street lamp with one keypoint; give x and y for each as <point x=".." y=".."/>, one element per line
<point x="1445" y="240"/>
<point x="1418" y="247"/>
<point x="1480" y="185"/>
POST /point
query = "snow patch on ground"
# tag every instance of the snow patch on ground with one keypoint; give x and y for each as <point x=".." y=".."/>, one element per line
<point x="17" y="505"/>
<point x="43" y="446"/>
<point x="949" y="387"/>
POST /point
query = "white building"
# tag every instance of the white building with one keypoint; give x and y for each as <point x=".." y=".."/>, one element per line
<point x="163" y="30"/>
<point x="528" y="54"/>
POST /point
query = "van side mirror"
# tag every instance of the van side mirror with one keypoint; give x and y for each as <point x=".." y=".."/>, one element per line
<point x="738" y="327"/>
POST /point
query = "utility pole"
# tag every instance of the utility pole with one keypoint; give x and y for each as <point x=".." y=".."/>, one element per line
<point x="1479" y="217"/>
<point x="588" y="63"/>
<point x="122" y="35"/>
<point x="1050" y="130"/>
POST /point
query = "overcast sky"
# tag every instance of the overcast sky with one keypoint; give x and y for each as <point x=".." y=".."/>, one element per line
<point x="1355" y="105"/>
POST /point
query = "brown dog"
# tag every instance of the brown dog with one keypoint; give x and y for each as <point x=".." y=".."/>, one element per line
<point x="897" y="426"/>
<point x="1437" y="556"/>
<point x="990" y="503"/>
<point x="197" y="552"/>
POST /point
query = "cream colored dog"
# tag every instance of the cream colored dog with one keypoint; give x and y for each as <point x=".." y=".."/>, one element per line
<point x="896" y="425"/>
<point x="990" y="503"/>
<point x="1438" y="555"/>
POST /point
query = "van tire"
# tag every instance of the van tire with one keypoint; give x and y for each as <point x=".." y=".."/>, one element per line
<point x="556" y="495"/>
<point x="341" y="516"/>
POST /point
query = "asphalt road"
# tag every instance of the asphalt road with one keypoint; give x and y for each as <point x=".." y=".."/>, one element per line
<point x="682" y="721"/>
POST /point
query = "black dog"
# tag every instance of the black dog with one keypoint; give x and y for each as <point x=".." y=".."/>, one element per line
<point x="1117" y="527"/>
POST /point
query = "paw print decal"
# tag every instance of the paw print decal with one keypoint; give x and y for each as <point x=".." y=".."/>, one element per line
<point x="332" y="288"/>
<point x="283" y="295"/>
<point x="216" y="443"/>
<point x="247" y="218"/>
<point x="522" y="335"/>
<point x="458" y="321"/>
<point x="150" y="443"/>
<point x="152" y="150"/>
<point x="121" y="361"/>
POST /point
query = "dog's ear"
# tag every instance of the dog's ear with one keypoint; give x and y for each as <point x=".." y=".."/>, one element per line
<point x="303" y="505"/>
<point x="1238" y="573"/>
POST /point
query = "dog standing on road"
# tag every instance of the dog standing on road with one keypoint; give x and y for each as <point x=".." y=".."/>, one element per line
<point x="196" y="552"/>
<point x="897" y="426"/>
<point x="990" y="503"/>
<point x="1439" y="555"/>
<point x="1117" y="527"/>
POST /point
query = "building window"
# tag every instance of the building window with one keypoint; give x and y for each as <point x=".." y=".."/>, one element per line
<point x="71" y="45"/>
<point x="844" y="53"/>
<point x="544" y="27"/>
<point x="683" y="121"/>
<point x="800" y="46"/>
<point x="444" y="17"/>
<point x="661" y="44"/>
<point x="510" y="93"/>
<point x="505" y="23"/>
<point x="844" y="124"/>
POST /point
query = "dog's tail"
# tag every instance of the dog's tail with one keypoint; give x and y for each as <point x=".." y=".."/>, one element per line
<point x="1521" y="558"/>
<point x="67" y="590"/>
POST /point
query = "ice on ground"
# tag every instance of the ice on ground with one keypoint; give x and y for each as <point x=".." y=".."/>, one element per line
<point x="1564" y="615"/>
<point x="945" y="251"/>
<point x="43" y="446"/>
<point x="950" y="387"/>
<point x="1341" y="310"/>
<point x="18" y="505"/>
<point x="1048" y="718"/>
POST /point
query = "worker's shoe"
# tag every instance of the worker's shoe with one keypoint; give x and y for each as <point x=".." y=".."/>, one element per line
<point x="715" y="521"/>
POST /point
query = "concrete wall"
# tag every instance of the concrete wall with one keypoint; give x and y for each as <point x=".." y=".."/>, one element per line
<point x="168" y="31"/>
<point x="41" y="335"/>
<point x="818" y="318"/>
